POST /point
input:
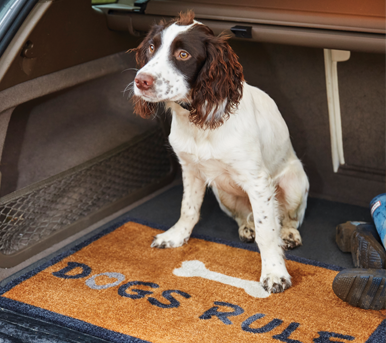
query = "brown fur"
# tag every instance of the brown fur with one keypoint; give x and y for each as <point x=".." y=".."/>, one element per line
<point x="143" y="108"/>
<point x="185" y="18"/>
<point x="220" y="77"/>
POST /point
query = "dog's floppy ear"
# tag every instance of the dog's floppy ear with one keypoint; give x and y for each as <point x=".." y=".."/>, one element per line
<point x="141" y="52"/>
<point x="141" y="107"/>
<point x="219" y="85"/>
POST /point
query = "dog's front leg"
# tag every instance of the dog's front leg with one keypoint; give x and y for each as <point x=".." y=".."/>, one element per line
<point x="261" y="192"/>
<point x="194" y="189"/>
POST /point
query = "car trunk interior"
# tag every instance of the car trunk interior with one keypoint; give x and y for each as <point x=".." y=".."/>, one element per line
<point x="65" y="110"/>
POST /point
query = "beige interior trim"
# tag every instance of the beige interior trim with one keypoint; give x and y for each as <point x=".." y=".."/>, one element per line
<point x="47" y="84"/>
<point x="4" y="121"/>
<point x="329" y="15"/>
<point x="313" y="38"/>
<point x="14" y="48"/>
<point x="331" y="59"/>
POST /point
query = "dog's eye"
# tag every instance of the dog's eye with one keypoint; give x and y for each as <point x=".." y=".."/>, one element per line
<point x="151" y="48"/>
<point x="183" y="55"/>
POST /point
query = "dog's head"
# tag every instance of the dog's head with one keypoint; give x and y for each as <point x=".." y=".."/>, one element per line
<point x="183" y="61"/>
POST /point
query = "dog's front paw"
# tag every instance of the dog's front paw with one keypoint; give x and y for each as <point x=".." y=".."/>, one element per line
<point x="276" y="284"/>
<point x="291" y="238"/>
<point x="169" y="239"/>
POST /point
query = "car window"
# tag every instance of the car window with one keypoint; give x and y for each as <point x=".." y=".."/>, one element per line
<point x="9" y="9"/>
<point x="99" y="2"/>
<point x="4" y="6"/>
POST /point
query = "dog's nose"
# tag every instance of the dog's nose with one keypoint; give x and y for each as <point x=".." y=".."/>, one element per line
<point x="144" y="81"/>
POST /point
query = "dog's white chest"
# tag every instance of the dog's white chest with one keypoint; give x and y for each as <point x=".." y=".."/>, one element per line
<point x="208" y="161"/>
<point x="200" y="145"/>
<point x="214" y="172"/>
<point x="209" y="152"/>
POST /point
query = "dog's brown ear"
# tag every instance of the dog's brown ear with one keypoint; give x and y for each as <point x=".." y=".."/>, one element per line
<point x="141" y="52"/>
<point x="219" y="86"/>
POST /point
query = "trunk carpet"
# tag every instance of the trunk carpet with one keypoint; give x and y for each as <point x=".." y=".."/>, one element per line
<point x="317" y="231"/>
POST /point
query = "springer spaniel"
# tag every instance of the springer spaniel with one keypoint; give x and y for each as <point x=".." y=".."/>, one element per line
<point x="226" y="134"/>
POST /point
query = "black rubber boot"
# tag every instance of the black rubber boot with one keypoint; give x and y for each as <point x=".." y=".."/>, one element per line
<point x="364" y="288"/>
<point x="364" y="244"/>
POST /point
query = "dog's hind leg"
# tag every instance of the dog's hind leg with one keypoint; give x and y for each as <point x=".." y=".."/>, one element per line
<point x="239" y="208"/>
<point x="292" y="192"/>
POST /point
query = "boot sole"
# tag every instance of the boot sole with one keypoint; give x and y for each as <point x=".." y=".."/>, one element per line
<point x="363" y="288"/>
<point x="360" y="239"/>
<point x="343" y="236"/>
<point x="366" y="251"/>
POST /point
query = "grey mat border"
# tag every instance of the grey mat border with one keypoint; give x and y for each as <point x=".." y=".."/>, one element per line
<point x="376" y="337"/>
<point x="27" y="328"/>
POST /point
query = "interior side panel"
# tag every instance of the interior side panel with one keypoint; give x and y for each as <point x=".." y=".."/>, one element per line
<point x="71" y="32"/>
<point x="295" y="78"/>
<point x="49" y="135"/>
<point x="362" y="100"/>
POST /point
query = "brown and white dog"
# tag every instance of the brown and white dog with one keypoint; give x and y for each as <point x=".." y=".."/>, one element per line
<point x="226" y="134"/>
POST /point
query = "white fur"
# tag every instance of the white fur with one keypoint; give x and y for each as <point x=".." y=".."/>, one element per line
<point x="250" y="164"/>
<point x="168" y="82"/>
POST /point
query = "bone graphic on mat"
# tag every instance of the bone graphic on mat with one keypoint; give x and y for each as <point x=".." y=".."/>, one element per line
<point x="197" y="268"/>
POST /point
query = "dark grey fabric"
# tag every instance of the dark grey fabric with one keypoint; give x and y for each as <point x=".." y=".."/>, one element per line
<point x="318" y="229"/>
<point x="16" y="328"/>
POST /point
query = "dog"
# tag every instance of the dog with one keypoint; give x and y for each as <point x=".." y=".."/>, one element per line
<point x="226" y="134"/>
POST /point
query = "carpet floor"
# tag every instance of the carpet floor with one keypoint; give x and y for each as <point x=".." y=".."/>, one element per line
<point x="317" y="231"/>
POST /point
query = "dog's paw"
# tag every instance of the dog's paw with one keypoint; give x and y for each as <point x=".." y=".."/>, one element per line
<point x="273" y="283"/>
<point x="169" y="239"/>
<point x="246" y="234"/>
<point x="291" y="238"/>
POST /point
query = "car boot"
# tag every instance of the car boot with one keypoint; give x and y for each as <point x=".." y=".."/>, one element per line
<point x="364" y="288"/>
<point x="378" y="213"/>
<point x="362" y="240"/>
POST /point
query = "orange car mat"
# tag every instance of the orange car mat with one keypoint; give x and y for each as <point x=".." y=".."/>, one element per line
<point x="118" y="288"/>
